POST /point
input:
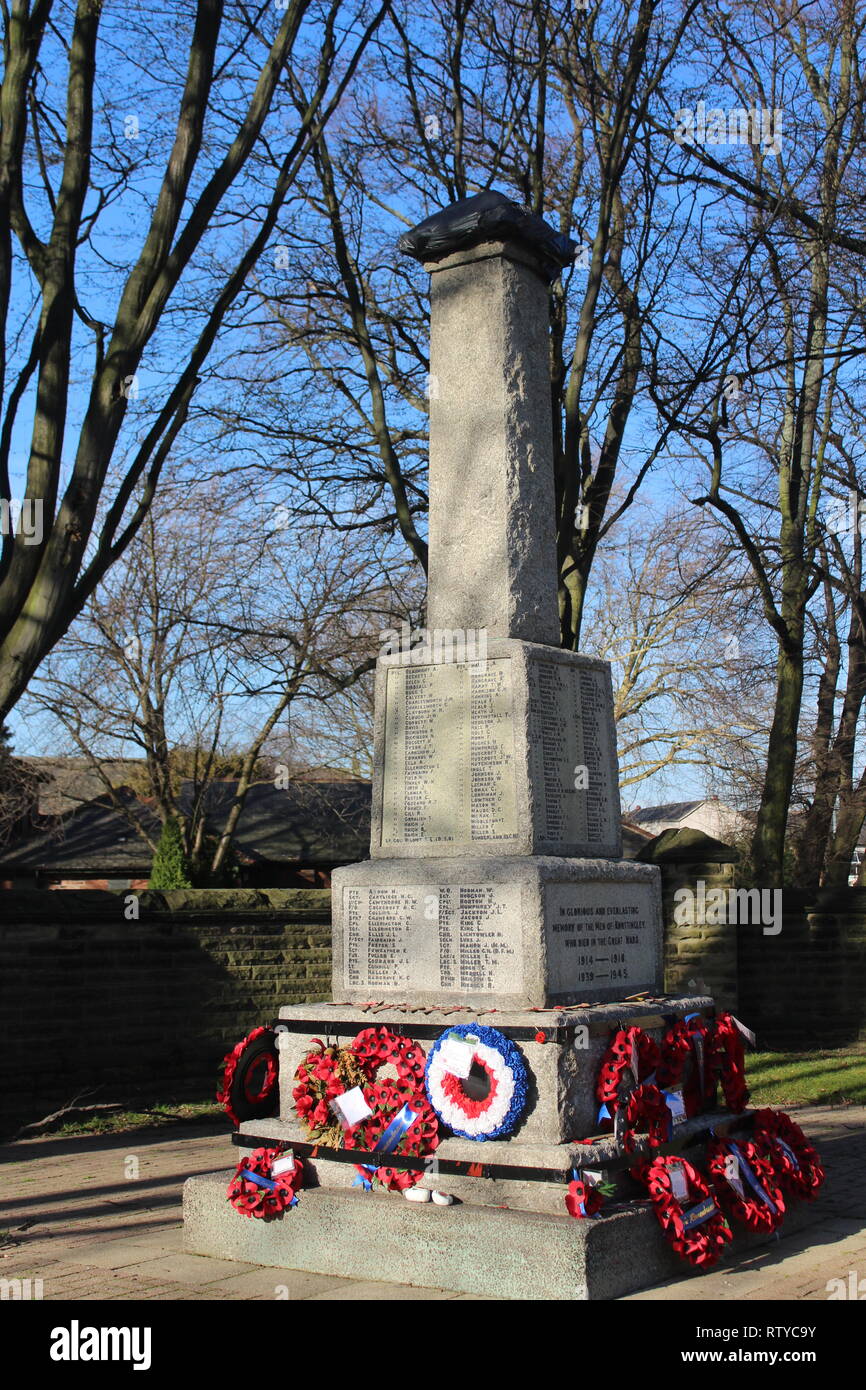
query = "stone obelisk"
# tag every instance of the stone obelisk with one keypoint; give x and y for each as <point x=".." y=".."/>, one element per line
<point x="495" y="876"/>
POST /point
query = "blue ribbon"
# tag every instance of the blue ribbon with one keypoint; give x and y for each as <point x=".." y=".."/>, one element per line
<point x="751" y="1178"/>
<point x="793" y="1157"/>
<point x="604" y="1113"/>
<point x="396" y="1129"/>
<point x="257" y="1178"/>
<point x="696" y="1216"/>
<point x="389" y="1140"/>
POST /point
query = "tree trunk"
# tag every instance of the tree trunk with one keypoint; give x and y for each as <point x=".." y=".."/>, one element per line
<point x="768" y="845"/>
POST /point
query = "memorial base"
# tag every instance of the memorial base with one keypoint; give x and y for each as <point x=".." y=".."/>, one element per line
<point x="463" y="1248"/>
<point x="508" y="1234"/>
<point x="563" y="1049"/>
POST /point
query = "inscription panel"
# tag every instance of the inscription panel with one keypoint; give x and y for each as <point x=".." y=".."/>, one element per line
<point x="433" y="937"/>
<point x="571" y="753"/>
<point x="449" y="754"/>
<point x="601" y="942"/>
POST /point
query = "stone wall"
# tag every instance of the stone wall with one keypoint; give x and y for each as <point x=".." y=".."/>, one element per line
<point x="89" y="999"/>
<point x="802" y="986"/>
<point x="806" y="987"/>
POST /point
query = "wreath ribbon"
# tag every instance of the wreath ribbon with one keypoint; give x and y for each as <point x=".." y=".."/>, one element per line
<point x="397" y="1128"/>
<point x="744" y="1167"/>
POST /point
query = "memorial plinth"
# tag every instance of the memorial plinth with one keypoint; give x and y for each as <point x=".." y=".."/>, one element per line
<point x="495" y="894"/>
<point x="505" y="933"/>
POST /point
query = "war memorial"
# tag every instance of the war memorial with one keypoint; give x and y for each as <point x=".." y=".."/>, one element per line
<point x="499" y="1099"/>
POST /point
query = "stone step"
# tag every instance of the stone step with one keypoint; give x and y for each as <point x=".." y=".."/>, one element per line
<point x="468" y="1249"/>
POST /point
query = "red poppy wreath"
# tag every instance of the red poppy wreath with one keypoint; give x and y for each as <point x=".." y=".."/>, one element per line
<point x="695" y="1228"/>
<point x="745" y="1182"/>
<point x="583" y="1200"/>
<point x="646" y="1106"/>
<point x="404" y="1119"/>
<point x="685" y="1061"/>
<point x="266" y="1183"/>
<point x="250" y="1077"/>
<point x="796" y="1162"/>
<point x="401" y="1119"/>
<point x="631" y="1053"/>
<point x="727" y="1062"/>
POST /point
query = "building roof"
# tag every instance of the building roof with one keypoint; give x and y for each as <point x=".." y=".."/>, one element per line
<point x="687" y="846"/>
<point x="310" y="823"/>
<point x="668" y="810"/>
<point x="65" y="783"/>
<point x="322" y="823"/>
<point x="95" y="838"/>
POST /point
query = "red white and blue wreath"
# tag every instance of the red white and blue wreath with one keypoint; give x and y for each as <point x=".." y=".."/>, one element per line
<point x="477" y="1081"/>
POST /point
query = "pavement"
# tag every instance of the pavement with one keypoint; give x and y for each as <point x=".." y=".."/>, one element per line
<point x="99" y="1218"/>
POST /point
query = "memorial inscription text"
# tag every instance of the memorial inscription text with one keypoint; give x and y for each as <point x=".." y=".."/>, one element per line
<point x="571" y="755"/>
<point x="449" y="754"/>
<point x="596" y="944"/>
<point x="456" y="937"/>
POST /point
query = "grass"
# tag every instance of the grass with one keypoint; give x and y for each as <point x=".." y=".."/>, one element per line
<point x="835" y="1077"/>
<point x="154" y="1117"/>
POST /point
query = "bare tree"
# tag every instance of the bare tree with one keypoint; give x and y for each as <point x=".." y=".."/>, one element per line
<point x="783" y="333"/>
<point x="201" y="646"/>
<point x="670" y="611"/>
<point x="64" y="176"/>
<point x="546" y="103"/>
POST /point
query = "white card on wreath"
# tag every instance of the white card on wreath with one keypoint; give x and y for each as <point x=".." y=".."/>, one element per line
<point x="351" y="1108"/>
<point x="458" y="1054"/>
<point x="679" y="1185"/>
<point x="677" y="1106"/>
